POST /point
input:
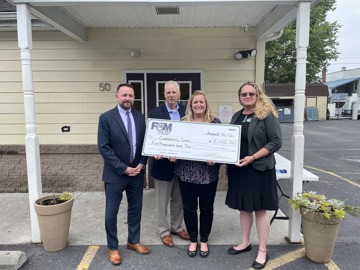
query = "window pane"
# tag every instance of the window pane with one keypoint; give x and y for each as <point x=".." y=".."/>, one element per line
<point x="137" y="105"/>
<point x="161" y="91"/>
<point x="185" y="91"/>
<point x="138" y="89"/>
<point x="185" y="87"/>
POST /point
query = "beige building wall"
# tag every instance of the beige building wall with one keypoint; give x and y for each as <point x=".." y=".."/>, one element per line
<point x="67" y="74"/>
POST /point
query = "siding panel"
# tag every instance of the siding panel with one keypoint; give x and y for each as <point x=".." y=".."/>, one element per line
<point x="67" y="74"/>
<point x="101" y="65"/>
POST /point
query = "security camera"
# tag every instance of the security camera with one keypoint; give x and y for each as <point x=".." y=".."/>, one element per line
<point x="245" y="28"/>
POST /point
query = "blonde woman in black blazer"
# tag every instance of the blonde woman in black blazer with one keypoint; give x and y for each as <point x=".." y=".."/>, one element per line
<point x="252" y="181"/>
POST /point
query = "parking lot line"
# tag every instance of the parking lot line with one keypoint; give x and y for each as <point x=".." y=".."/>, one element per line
<point x="336" y="175"/>
<point x="292" y="256"/>
<point x="87" y="258"/>
<point x="332" y="266"/>
<point x="284" y="259"/>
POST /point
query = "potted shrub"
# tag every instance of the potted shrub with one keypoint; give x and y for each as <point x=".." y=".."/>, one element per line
<point x="54" y="214"/>
<point x="320" y="220"/>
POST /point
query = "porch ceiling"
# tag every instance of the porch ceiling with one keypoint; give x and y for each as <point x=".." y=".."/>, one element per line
<point x="73" y="17"/>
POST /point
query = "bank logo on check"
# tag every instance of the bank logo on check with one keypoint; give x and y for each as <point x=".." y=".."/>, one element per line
<point x="162" y="128"/>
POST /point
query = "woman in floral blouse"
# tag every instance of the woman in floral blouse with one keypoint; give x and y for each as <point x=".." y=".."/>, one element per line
<point x="198" y="182"/>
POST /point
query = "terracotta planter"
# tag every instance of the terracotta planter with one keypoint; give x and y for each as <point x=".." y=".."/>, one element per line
<point x="319" y="236"/>
<point x="54" y="223"/>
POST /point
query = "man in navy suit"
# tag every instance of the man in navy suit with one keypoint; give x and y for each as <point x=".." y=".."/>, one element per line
<point x="166" y="183"/>
<point x="120" y="139"/>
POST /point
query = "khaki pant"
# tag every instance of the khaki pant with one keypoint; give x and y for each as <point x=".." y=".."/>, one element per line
<point x="168" y="192"/>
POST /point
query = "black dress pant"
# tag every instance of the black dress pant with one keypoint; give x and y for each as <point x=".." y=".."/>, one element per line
<point x="202" y="195"/>
<point x="133" y="186"/>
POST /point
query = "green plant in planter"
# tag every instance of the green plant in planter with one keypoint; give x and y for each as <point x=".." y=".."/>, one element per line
<point x="319" y="204"/>
<point x="65" y="196"/>
<point x="320" y="220"/>
<point x="56" y="199"/>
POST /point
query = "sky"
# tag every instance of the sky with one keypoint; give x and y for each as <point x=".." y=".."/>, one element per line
<point x="347" y="14"/>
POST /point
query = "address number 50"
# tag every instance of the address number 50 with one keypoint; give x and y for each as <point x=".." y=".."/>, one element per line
<point x="104" y="87"/>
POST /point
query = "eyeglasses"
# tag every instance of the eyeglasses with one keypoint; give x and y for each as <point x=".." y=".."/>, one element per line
<point x="251" y="94"/>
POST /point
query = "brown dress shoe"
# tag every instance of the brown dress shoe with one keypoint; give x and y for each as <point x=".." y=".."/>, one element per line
<point x="182" y="234"/>
<point x="167" y="240"/>
<point x="114" y="257"/>
<point x="139" y="248"/>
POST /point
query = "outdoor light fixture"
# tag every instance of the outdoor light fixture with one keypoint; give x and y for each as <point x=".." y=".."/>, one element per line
<point x="244" y="54"/>
<point x="245" y="27"/>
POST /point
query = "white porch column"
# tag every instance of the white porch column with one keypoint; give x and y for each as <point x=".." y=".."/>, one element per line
<point x="297" y="140"/>
<point x="31" y="139"/>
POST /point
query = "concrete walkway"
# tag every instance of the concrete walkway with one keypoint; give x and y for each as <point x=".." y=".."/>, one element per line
<point x="87" y="221"/>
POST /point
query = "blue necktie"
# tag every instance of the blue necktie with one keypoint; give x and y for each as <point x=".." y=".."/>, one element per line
<point x="129" y="130"/>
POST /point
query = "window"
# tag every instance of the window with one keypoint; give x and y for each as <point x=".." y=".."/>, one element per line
<point x="139" y="99"/>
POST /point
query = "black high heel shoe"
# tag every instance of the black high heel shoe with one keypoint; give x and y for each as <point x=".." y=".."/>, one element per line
<point x="257" y="265"/>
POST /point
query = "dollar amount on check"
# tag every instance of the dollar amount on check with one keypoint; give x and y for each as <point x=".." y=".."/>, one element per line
<point x="192" y="141"/>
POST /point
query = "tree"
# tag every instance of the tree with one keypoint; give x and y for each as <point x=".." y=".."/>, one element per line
<point x="280" y="54"/>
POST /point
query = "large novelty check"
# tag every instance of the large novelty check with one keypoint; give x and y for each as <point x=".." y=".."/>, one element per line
<point x="192" y="141"/>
